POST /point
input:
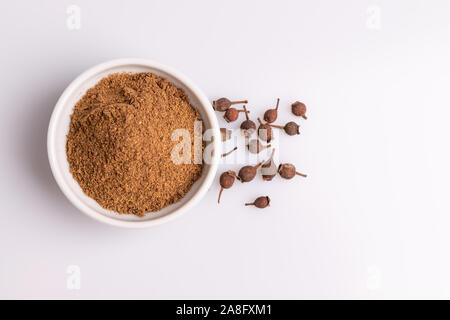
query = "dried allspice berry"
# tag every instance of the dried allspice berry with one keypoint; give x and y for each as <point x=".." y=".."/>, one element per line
<point x="264" y="131"/>
<point x="291" y="128"/>
<point x="248" y="173"/>
<point x="225" y="134"/>
<point x="223" y="104"/>
<point x="232" y="114"/>
<point x="226" y="181"/>
<point x="299" y="109"/>
<point x="260" y="202"/>
<point x="269" y="169"/>
<point x="247" y="126"/>
<point x="272" y="114"/>
<point x="288" y="171"/>
<point x="254" y="146"/>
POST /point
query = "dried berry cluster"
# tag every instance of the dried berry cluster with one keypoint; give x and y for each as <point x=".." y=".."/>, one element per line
<point x="264" y="132"/>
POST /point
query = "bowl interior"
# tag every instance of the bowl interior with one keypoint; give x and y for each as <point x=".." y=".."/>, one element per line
<point x="61" y="120"/>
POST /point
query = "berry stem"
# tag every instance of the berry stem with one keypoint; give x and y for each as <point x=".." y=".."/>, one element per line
<point x="220" y="194"/>
<point x="278" y="102"/>
<point x="237" y="102"/>
<point x="273" y="152"/>
<point x="301" y="174"/>
<point x="259" y="164"/>
<point x="276" y="126"/>
<point x="246" y="112"/>
<point x="250" y="204"/>
<point x="227" y="153"/>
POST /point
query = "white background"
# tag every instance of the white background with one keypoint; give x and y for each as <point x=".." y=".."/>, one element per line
<point x="370" y="221"/>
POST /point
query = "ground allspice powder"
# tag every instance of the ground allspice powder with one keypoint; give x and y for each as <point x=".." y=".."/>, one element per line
<point x="119" y="143"/>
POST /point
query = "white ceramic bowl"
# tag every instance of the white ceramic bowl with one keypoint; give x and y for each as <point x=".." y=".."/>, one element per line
<point x="59" y="127"/>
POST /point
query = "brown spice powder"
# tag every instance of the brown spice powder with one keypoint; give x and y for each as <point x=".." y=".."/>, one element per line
<point x="119" y="143"/>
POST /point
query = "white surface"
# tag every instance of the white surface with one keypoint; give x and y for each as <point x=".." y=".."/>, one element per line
<point x="59" y="127"/>
<point x="370" y="221"/>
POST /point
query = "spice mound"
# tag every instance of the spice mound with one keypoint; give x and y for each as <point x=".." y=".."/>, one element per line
<point x="119" y="143"/>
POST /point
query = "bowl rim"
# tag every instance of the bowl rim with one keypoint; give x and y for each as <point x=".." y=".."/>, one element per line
<point x="52" y="132"/>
